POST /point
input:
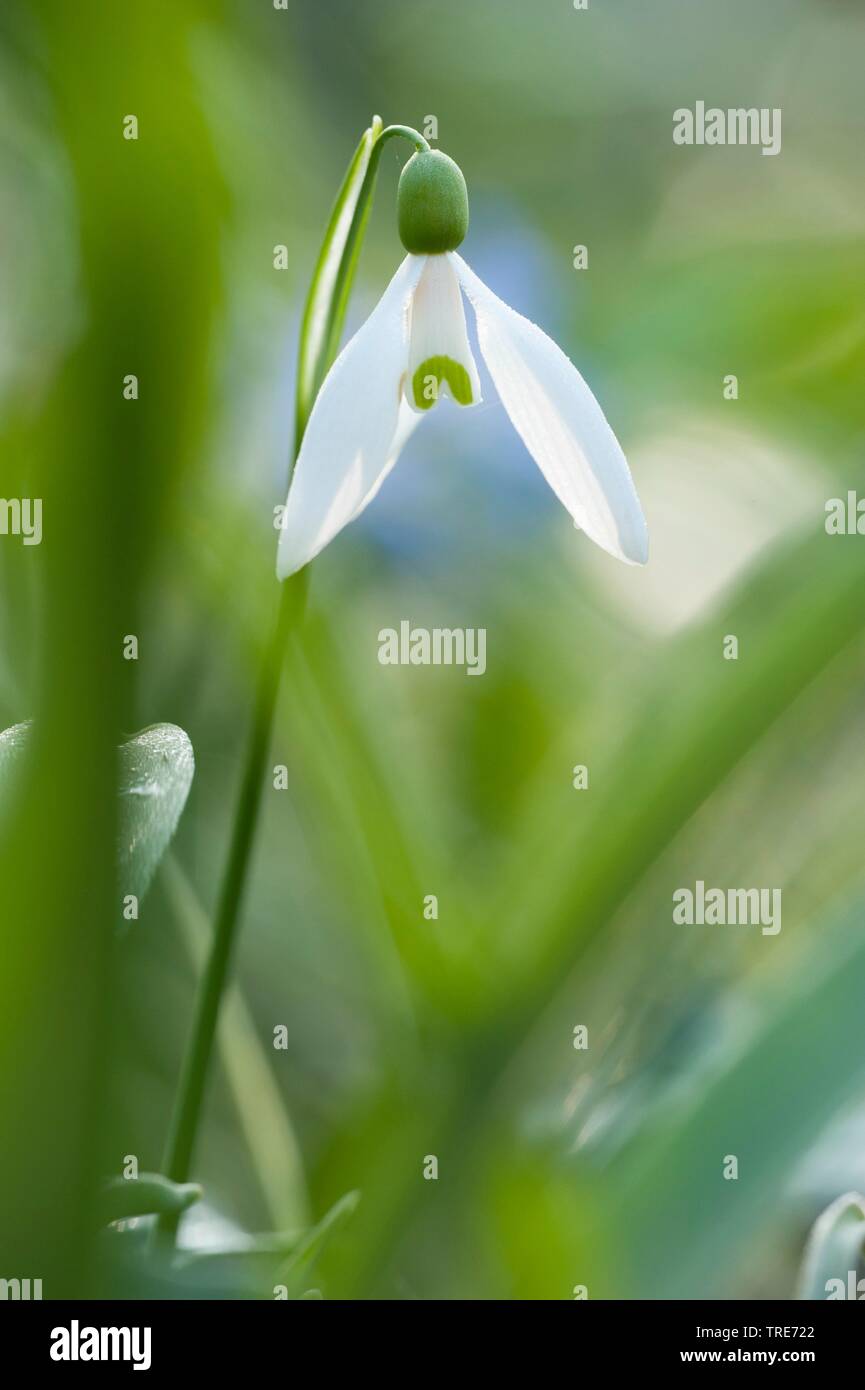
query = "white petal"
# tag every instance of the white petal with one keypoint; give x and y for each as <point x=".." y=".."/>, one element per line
<point x="355" y="430"/>
<point x="406" y="421"/>
<point x="440" y="358"/>
<point x="560" y="423"/>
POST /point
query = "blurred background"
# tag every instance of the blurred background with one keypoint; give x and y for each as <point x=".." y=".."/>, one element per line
<point x="363" y="1039"/>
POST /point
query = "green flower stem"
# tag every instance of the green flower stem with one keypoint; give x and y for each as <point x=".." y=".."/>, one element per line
<point x="273" y="1147"/>
<point x="184" y="1125"/>
<point x="407" y="133"/>
<point x="320" y="332"/>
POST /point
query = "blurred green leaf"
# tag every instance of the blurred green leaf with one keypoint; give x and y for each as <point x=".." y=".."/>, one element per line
<point x="835" y="1248"/>
<point x="545" y="1226"/>
<point x="156" y="770"/>
<point x="295" y="1270"/>
<point x="13" y="742"/>
<point x="772" y="1091"/>
<point x="794" y="613"/>
<point x="798" y="341"/>
<point x="243" y="1271"/>
<point x="146" y="1195"/>
<point x="259" y="1266"/>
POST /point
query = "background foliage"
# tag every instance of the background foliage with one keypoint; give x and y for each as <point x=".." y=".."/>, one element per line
<point x="406" y="1037"/>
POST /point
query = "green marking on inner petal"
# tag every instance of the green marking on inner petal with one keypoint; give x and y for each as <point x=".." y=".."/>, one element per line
<point x="427" y="380"/>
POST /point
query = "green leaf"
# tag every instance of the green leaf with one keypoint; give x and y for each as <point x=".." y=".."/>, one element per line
<point x="259" y="1266"/>
<point x="244" y="1269"/>
<point x="12" y="744"/>
<point x="797" y="611"/>
<point x="156" y="769"/>
<point x="835" y="1248"/>
<point x="295" y="1270"/>
<point x="766" y="1104"/>
<point x="146" y="1195"/>
<point x="328" y="294"/>
<point x="543" y="1226"/>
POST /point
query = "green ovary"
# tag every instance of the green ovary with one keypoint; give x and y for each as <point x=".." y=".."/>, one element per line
<point x="427" y="380"/>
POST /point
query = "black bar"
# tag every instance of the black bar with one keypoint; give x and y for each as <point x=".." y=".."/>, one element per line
<point x="250" y="1336"/>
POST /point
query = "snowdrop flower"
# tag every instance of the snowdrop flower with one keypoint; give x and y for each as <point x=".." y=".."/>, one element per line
<point x="414" y="348"/>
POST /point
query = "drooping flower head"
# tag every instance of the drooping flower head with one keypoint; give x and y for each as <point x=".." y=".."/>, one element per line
<point x="413" y="349"/>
